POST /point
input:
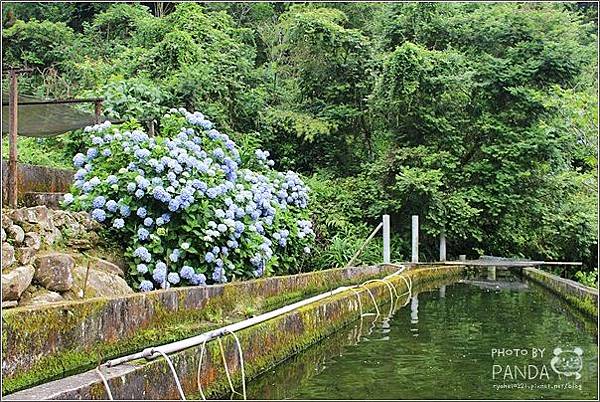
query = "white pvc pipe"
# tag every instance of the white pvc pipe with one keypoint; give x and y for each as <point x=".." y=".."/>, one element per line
<point x="415" y="238"/>
<point x="442" y="247"/>
<point x="386" y="240"/>
<point x="151" y="352"/>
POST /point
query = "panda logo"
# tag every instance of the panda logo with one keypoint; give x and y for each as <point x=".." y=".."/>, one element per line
<point x="567" y="362"/>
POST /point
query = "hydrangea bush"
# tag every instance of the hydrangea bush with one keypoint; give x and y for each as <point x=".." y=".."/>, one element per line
<point x="190" y="208"/>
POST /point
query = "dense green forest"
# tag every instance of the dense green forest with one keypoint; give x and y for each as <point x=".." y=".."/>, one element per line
<point x="480" y="118"/>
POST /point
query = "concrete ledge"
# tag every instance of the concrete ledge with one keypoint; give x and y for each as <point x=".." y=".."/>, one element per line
<point x="264" y="345"/>
<point x="31" y="178"/>
<point x="43" y="343"/>
<point x="583" y="297"/>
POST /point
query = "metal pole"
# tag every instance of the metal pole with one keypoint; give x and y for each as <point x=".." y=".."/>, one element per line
<point x="361" y="248"/>
<point x="442" y="246"/>
<point x="415" y="238"/>
<point x="386" y="240"/>
<point x="12" y="140"/>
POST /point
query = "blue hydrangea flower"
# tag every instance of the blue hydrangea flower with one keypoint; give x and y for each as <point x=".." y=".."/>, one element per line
<point x="187" y="272"/>
<point x="175" y="255"/>
<point x="143" y="234"/>
<point x="125" y="211"/>
<point x="160" y="274"/>
<point x="209" y="257"/>
<point x="173" y="278"/>
<point x="99" y="215"/>
<point x="143" y="254"/>
<point x="148" y="222"/>
<point x="79" y="160"/>
<point x="92" y="153"/>
<point x="142" y="268"/>
<point x="111" y="206"/>
<point x="174" y="204"/>
<point x="146" y="286"/>
<point x="99" y="202"/>
<point x="112" y="179"/>
<point x="141" y="212"/>
<point x="118" y="223"/>
<point x="198" y="279"/>
<point x="68" y="198"/>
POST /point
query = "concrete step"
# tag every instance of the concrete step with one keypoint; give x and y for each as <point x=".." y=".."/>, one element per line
<point x="50" y="200"/>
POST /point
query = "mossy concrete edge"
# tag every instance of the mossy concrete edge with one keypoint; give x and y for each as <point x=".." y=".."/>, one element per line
<point x="582" y="297"/>
<point x="264" y="345"/>
<point x="42" y="343"/>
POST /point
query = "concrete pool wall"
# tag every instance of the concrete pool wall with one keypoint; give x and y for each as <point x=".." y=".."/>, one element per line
<point x="580" y="296"/>
<point x="41" y="343"/>
<point x="264" y="345"/>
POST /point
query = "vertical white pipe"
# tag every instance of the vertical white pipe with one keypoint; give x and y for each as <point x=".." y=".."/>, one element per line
<point x="414" y="309"/>
<point x="415" y="238"/>
<point x="386" y="240"/>
<point x="442" y="246"/>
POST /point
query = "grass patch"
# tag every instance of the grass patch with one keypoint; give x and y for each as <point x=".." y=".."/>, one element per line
<point x="48" y="152"/>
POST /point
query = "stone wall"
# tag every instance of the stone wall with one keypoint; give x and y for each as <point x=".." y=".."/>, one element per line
<point x="47" y="257"/>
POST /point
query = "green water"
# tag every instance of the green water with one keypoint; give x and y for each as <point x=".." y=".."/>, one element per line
<point x="449" y="345"/>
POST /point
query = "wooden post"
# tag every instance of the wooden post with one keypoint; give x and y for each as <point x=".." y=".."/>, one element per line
<point x="97" y="111"/>
<point x="12" y="140"/>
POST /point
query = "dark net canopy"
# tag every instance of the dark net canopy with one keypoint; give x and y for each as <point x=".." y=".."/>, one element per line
<point x="47" y="120"/>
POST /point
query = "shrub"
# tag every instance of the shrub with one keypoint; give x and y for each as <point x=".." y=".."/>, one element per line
<point x="589" y="278"/>
<point x="189" y="206"/>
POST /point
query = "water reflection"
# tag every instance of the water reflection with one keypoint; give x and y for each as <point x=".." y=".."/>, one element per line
<point x="414" y="315"/>
<point x="445" y="353"/>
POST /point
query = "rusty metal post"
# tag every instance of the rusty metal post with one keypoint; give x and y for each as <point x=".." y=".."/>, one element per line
<point x="97" y="111"/>
<point x="151" y="128"/>
<point x="12" y="140"/>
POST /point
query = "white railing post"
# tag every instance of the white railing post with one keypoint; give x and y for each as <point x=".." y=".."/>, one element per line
<point x="442" y="246"/>
<point x="386" y="240"/>
<point x="415" y="238"/>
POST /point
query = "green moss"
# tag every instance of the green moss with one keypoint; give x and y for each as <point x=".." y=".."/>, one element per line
<point x="585" y="304"/>
<point x="34" y="326"/>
